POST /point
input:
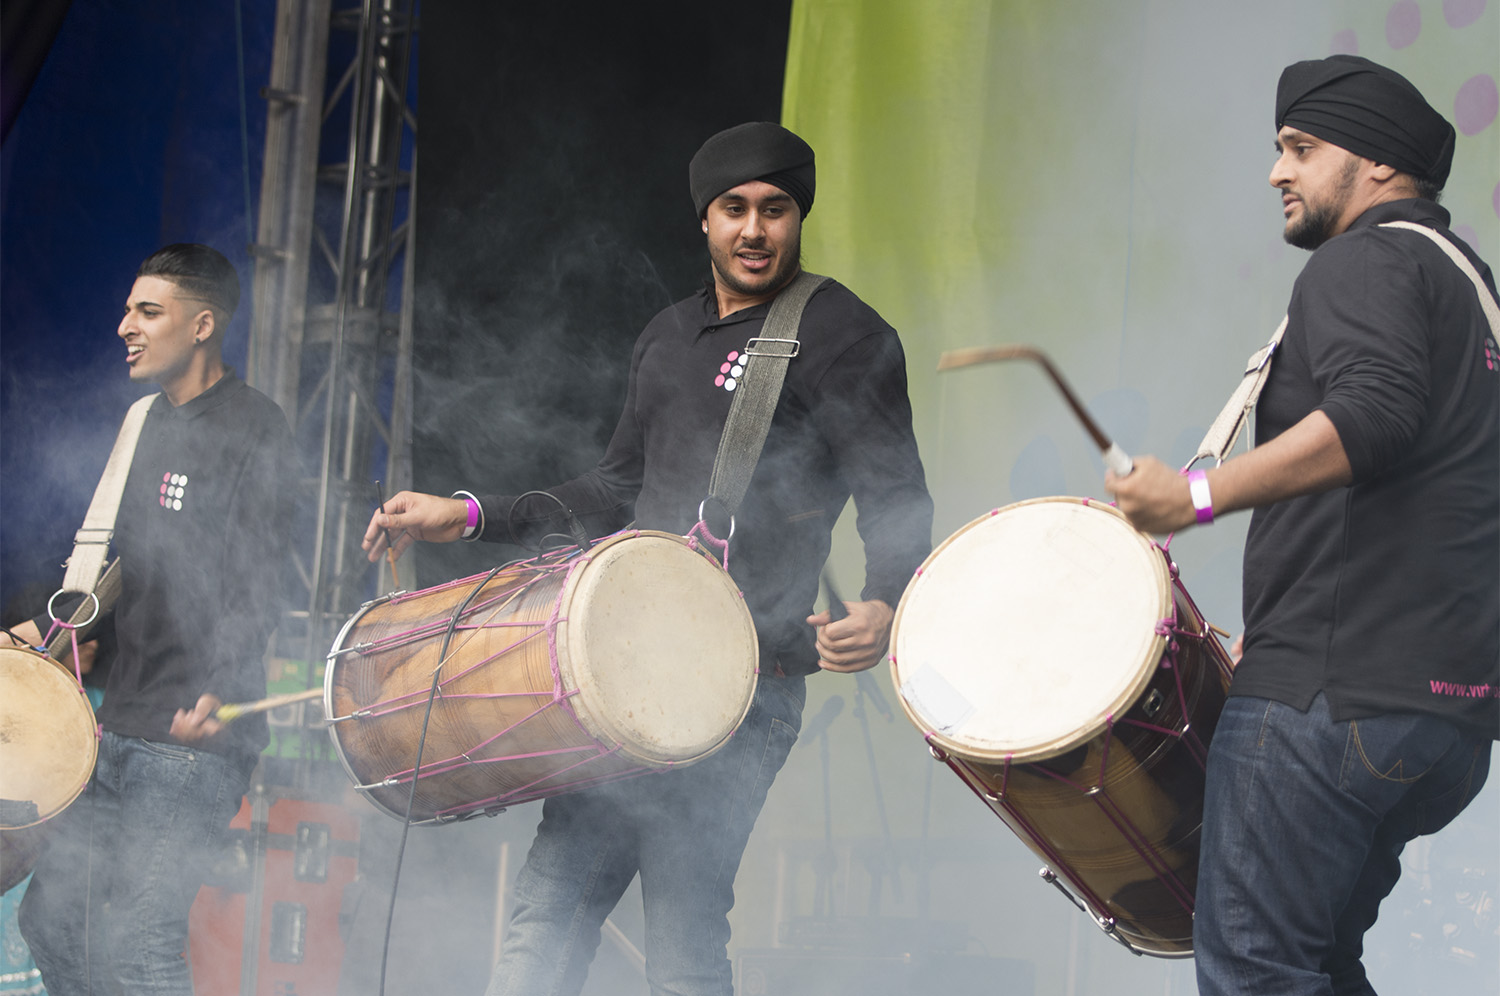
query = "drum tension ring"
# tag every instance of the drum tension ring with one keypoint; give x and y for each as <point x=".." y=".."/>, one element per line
<point x="1153" y="703"/>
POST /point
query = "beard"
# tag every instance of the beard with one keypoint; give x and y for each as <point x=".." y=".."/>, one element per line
<point x="788" y="260"/>
<point x="1319" y="221"/>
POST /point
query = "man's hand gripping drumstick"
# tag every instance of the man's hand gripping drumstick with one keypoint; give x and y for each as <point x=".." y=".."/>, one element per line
<point x="1116" y="459"/>
<point x="410" y="516"/>
<point x="1304" y="459"/>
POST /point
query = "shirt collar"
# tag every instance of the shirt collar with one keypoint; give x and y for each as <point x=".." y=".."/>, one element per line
<point x="1414" y="209"/>
<point x="209" y="399"/>
<point x="708" y="302"/>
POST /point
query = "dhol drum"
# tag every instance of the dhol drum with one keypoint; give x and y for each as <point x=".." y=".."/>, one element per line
<point x="554" y="674"/>
<point x="1052" y="659"/>
<point x="48" y="746"/>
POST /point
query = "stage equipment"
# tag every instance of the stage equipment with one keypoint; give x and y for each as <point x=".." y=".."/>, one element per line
<point x="267" y="923"/>
<point x="331" y="314"/>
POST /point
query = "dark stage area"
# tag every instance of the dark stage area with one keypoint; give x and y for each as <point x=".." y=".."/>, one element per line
<point x="554" y="220"/>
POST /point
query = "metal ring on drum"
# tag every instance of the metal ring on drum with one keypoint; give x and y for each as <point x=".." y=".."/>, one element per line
<point x="562" y="672"/>
<point x="1053" y="660"/>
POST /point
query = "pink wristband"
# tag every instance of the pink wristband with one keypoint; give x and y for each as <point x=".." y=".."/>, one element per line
<point x="473" y="513"/>
<point x="1203" y="502"/>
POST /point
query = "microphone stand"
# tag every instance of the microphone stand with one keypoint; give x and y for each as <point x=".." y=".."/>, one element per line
<point x="825" y="865"/>
<point x="886" y="863"/>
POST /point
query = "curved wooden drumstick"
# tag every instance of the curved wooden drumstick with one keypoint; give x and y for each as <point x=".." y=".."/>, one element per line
<point x="1115" y="458"/>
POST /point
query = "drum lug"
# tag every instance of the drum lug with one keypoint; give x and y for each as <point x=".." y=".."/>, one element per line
<point x="1105" y="923"/>
<point x="1050" y="877"/>
<point x="937" y="754"/>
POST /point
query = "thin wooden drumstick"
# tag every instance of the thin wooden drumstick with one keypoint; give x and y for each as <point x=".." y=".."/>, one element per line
<point x="390" y="549"/>
<point x="235" y="710"/>
<point x="1115" y="458"/>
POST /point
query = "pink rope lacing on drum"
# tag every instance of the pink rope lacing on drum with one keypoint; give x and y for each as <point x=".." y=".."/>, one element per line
<point x="1127" y="828"/>
<point x="559" y="697"/>
<point x="58" y="624"/>
<point x="700" y="528"/>
<point x="1033" y="836"/>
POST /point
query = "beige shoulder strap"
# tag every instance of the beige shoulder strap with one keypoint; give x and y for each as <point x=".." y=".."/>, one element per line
<point x="1486" y="299"/>
<point x="91" y="542"/>
<point x="1226" y="429"/>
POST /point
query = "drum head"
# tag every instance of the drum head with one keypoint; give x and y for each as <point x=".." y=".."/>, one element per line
<point x="1029" y="628"/>
<point x="47" y="744"/>
<point x="660" y="646"/>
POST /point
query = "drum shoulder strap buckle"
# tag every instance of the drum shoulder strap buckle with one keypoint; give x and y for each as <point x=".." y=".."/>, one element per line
<point x="787" y="348"/>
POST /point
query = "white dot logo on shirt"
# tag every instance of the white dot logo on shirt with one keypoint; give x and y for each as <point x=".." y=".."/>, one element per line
<point x="731" y="370"/>
<point x="173" y="491"/>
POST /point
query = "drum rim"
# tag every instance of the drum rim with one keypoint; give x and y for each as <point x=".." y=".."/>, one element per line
<point x="93" y="739"/>
<point x="330" y="664"/>
<point x="582" y="708"/>
<point x="1090" y="730"/>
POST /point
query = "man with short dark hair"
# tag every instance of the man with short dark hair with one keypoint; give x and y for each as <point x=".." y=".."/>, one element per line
<point x="201" y="537"/>
<point x="842" y="427"/>
<point x="1363" y="708"/>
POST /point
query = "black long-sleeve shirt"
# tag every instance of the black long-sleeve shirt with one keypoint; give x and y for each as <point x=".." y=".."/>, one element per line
<point x="842" y="427"/>
<point x="201" y="534"/>
<point x="1384" y="594"/>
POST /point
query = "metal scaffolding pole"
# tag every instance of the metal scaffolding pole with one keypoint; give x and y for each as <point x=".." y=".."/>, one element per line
<point x="331" y="335"/>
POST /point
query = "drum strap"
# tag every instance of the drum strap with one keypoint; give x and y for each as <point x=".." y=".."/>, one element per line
<point x="91" y="543"/>
<point x="1226" y="429"/>
<point x="758" y="391"/>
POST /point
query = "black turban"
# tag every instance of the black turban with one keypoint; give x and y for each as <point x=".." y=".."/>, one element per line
<point x="1369" y="110"/>
<point x="758" y="150"/>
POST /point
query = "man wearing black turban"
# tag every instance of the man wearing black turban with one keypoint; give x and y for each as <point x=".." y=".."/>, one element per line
<point x="1363" y="708"/>
<point x="841" y="428"/>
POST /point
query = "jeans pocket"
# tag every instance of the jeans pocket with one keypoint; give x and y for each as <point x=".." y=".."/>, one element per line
<point x="174" y="752"/>
<point x="780" y="739"/>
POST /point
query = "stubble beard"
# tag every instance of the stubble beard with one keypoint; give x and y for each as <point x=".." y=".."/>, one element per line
<point x="787" y="263"/>
<point x="1318" y="221"/>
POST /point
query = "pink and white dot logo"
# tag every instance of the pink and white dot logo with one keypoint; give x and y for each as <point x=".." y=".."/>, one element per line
<point x="173" y="490"/>
<point x="1491" y="354"/>
<point x="731" y="370"/>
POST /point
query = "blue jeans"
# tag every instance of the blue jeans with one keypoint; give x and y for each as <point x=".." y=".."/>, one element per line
<point x="683" y="831"/>
<point x="106" y="913"/>
<point x="1304" y="823"/>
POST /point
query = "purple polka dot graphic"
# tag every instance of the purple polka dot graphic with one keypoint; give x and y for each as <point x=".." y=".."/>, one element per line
<point x="1462" y="13"/>
<point x="1476" y="104"/>
<point x="1344" y="43"/>
<point x="1403" y="23"/>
